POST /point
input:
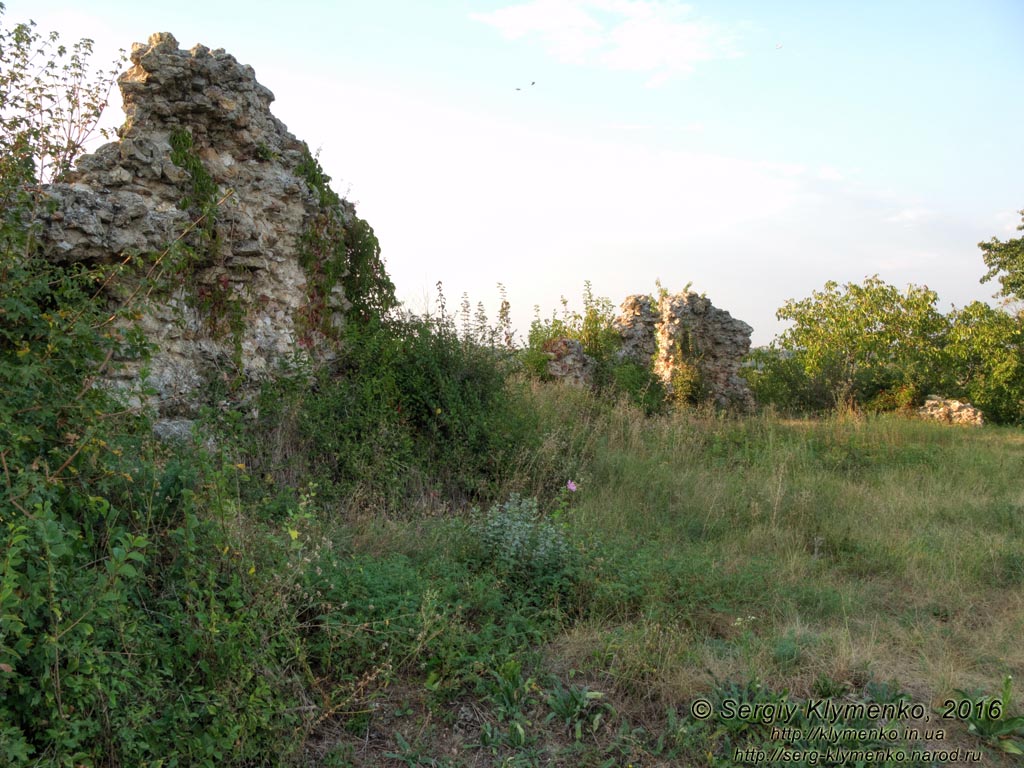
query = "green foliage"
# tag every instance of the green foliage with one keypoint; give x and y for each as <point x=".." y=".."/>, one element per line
<point x="204" y="194"/>
<point x="439" y="616"/>
<point x="341" y="427"/>
<point x="778" y="377"/>
<point x="50" y="103"/>
<point x="511" y="691"/>
<point x="529" y="551"/>
<point x="1005" y="260"/>
<point x="876" y="348"/>
<point x="871" y="346"/>
<point x="407" y="406"/>
<point x="72" y="555"/>
<point x="453" y="396"/>
<point x="126" y="628"/>
<point x="687" y="383"/>
<point x="986" y="352"/>
<point x="640" y="386"/>
<point x="594" y="329"/>
<point x="989" y="718"/>
<point x="73" y="551"/>
<point x="574" y="706"/>
<point x="857" y="343"/>
<point x="340" y="253"/>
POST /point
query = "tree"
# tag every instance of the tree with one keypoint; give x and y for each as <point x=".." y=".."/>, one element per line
<point x="986" y="355"/>
<point x="865" y="343"/>
<point x="1005" y="260"/>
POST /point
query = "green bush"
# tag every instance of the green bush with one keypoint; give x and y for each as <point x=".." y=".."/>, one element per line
<point x="871" y="346"/>
<point x="407" y="407"/>
<point x="527" y="550"/>
<point x="594" y="329"/>
<point x="778" y="378"/>
<point x="640" y="386"/>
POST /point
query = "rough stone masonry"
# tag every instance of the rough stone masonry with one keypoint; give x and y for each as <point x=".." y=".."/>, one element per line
<point x="238" y="288"/>
<point x="682" y="329"/>
<point x="686" y="328"/>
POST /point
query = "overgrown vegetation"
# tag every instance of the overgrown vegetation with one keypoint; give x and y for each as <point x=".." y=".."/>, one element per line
<point x="341" y="255"/>
<point x="423" y="555"/>
<point x="874" y="347"/>
<point x="409" y="409"/>
<point x="599" y="339"/>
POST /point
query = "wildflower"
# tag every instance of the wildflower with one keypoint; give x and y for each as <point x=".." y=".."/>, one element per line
<point x="571" y="486"/>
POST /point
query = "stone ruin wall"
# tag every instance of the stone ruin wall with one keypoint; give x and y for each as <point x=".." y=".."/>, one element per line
<point x="124" y="201"/>
<point x="679" y="329"/>
<point x="686" y="328"/>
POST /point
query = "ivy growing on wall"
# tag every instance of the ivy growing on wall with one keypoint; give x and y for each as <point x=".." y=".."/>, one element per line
<point x="339" y="250"/>
<point x="215" y="300"/>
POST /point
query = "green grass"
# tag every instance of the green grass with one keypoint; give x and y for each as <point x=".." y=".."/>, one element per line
<point x="817" y="558"/>
<point x="294" y="616"/>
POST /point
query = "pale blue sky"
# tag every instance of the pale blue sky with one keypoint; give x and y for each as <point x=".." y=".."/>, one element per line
<point x="756" y="149"/>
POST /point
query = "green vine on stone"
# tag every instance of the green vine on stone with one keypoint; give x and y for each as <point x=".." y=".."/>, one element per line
<point x="216" y="301"/>
<point x="204" y="195"/>
<point x="339" y="250"/>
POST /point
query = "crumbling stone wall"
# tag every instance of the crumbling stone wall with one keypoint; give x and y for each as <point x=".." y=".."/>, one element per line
<point x="637" y="324"/>
<point x="205" y="188"/>
<point x="568" y="363"/>
<point x="692" y="331"/>
<point x="679" y="331"/>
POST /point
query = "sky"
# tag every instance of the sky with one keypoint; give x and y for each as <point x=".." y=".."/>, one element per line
<point x="751" y="150"/>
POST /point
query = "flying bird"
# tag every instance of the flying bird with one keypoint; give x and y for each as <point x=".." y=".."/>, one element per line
<point x="532" y="83"/>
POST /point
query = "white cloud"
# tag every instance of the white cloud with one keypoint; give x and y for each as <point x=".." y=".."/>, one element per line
<point x="911" y="215"/>
<point x="658" y="38"/>
<point x="790" y="170"/>
<point x="1007" y="222"/>
<point x="829" y="173"/>
<point x="565" y="28"/>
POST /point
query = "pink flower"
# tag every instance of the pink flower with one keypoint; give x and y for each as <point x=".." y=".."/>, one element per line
<point x="571" y="486"/>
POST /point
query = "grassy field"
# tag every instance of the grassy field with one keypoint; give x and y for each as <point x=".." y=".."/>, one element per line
<point x="756" y="561"/>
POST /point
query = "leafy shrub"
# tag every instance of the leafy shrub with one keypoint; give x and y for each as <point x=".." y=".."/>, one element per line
<point x="1005" y="261"/>
<point x="640" y="386"/>
<point x="129" y="631"/>
<point x="453" y="396"/>
<point x="594" y="329"/>
<point x="524" y="548"/>
<point x="871" y="346"/>
<point x="407" y="406"/>
<point x="779" y="378"/>
<point x="74" y="549"/>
